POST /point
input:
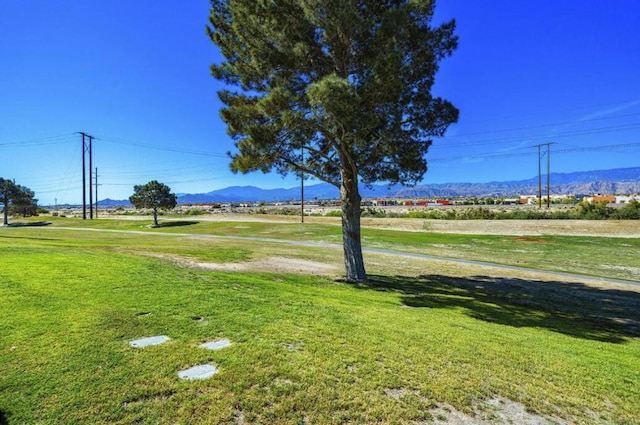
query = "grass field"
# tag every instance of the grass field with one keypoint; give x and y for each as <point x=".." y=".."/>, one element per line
<point x="423" y="342"/>
<point x="597" y="256"/>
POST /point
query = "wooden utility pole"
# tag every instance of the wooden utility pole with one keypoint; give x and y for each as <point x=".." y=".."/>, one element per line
<point x="548" y="175"/>
<point x="541" y="154"/>
<point x="84" y="174"/>
<point x="96" y="192"/>
<point x="90" y="177"/>
<point x="539" y="179"/>
<point x="84" y="179"/>
<point x="302" y="189"/>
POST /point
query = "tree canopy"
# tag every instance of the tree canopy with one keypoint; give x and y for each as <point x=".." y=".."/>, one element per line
<point x="16" y="199"/>
<point x="155" y="196"/>
<point x="348" y="82"/>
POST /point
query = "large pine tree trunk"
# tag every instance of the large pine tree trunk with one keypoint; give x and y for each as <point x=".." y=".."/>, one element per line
<point x="351" y="240"/>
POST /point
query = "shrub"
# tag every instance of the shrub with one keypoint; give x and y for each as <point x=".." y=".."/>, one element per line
<point x="196" y="211"/>
<point x="334" y="213"/>
<point x="373" y="212"/>
<point x="418" y="214"/>
<point x="593" y="211"/>
<point x="630" y="211"/>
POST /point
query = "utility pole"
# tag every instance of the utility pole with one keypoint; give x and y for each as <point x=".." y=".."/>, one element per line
<point x="84" y="174"/>
<point x="84" y="179"/>
<point x="90" y="178"/>
<point x="539" y="179"/>
<point x="96" y="192"/>
<point x="548" y="175"/>
<point x="302" y="189"/>
<point x="541" y="154"/>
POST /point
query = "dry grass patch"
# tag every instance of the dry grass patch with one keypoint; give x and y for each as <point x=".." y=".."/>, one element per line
<point x="276" y="265"/>
<point x="495" y="411"/>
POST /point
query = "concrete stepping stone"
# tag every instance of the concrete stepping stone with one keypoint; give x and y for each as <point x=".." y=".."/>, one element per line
<point x="198" y="372"/>
<point x="216" y="345"/>
<point x="152" y="340"/>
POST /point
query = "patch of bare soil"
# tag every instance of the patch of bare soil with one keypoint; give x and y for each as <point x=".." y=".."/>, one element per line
<point x="276" y="264"/>
<point x="496" y="411"/>
<point x="269" y="264"/>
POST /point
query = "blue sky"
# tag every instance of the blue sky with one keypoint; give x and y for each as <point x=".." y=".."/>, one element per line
<point x="135" y="74"/>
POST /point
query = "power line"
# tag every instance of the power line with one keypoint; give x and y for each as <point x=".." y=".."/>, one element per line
<point x="586" y="111"/>
<point x="601" y="147"/>
<point x="164" y="148"/>
<point x="585" y="132"/>
<point x="476" y="133"/>
<point x="167" y="182"/>
<point x="67" y="177"/>
<point x="529" y="153"/>
<point x="175" y="171"/>
<point x="52" y="140"/>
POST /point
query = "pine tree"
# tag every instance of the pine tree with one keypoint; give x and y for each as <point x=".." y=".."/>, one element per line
<point x="339" y="90"/>
<point x="155" y="196"/>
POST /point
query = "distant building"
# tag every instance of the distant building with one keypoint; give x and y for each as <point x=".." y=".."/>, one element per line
<point x="609" y="199"/>
<point x="626" y="199"/>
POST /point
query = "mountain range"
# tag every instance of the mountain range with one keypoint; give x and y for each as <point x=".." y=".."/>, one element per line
<point x="614" y="181"/>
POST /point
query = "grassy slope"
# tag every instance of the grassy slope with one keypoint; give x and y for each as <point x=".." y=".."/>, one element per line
<point x="304" y="347"/>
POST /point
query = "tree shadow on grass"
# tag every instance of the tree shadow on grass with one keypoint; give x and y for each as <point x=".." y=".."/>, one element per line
<point x="3" y="418"/>
<point x="11" y="237"/>
<point x="175" y="224"/>
<point x="30" y="224"/>
<point x="608" y="315"/>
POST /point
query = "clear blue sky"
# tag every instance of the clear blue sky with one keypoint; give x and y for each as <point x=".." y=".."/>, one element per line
<point x="135" y="74"/>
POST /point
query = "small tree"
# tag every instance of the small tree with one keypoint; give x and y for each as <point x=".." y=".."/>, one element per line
<point x="24" y="202"/>
<point x="13" y="195"/>
<point x="153" y="195"/>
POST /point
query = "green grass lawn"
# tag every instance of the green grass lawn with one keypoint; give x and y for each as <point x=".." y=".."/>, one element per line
<point x="596" y="256"/>
<point x="305" y="349"/>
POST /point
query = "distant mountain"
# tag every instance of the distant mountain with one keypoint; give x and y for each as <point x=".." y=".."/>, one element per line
<point x="236" y="194"/>
<point x="618" y="181"/>
<point x="615" y="181"/>
<point x="114" y="203"/>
